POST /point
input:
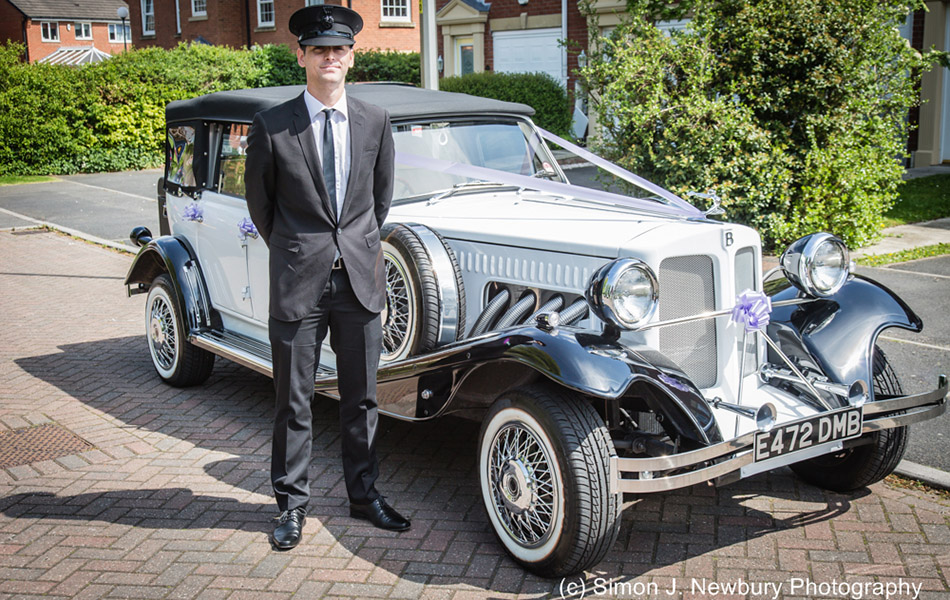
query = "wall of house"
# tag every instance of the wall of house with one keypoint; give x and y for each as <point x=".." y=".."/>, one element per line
<point x="39" y="49"/>
<point x="933" y="134"/>
<point x="226" y="24"/>
<point x="11" y="23"/>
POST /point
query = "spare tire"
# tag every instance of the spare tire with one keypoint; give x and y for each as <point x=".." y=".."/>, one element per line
<point x="425" y="296"/>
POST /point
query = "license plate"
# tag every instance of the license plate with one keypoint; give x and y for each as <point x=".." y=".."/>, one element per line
<point x="823" y="428"/>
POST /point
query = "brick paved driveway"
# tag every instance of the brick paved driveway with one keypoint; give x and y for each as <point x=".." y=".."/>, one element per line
<point x="173" y="499"/>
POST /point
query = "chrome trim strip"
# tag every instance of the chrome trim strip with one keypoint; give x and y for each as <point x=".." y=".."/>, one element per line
<point x="445" y="281"/>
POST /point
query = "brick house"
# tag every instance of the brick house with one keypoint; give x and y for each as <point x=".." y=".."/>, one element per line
<point x="387" y="24"/>
<point x="46" y="27"/>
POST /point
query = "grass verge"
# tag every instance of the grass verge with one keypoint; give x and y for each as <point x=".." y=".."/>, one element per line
<point x="921" y="199"/>
<point x="879" y="260"/>
<point x="16" y="179"/>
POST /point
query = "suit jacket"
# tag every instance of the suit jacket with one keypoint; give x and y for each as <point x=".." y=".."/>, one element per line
<point x="290" y="206"/>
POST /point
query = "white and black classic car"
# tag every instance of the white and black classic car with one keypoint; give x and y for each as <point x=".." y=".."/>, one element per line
<point x="607" y="342"/>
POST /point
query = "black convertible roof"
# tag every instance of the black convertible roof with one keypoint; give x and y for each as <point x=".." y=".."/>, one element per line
<point x="402" y="101"/>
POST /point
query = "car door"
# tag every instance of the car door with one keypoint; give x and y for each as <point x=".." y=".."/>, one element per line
<point x="224" y="231"/>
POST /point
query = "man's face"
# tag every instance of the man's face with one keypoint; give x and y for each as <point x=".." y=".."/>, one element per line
<point x="325" y="65"/>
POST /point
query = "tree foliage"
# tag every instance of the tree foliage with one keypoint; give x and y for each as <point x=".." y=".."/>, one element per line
<point x="793" y="112"/>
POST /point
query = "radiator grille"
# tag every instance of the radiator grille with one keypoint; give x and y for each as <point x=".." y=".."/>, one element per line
<point x="687" y="288"/>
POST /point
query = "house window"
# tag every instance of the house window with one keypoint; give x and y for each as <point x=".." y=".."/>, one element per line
<point x="83" y="31"/>
<point x="49" y="32"/>
<point x="199" y="8"/>
<point x="395" y="10"/>
<point x="312" y="2"/>
<point x="115" y="33"/>
<point x="148" y="17"/>
<point x="265" y="13"/>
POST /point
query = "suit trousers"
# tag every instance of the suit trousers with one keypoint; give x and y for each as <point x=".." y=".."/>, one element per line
<point x="356" y="339"/>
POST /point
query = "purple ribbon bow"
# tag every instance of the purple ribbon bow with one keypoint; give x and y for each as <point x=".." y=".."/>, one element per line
<point x="247" y="229"/>
<point x="193" y="212"/>
<point x="752" y="310"/>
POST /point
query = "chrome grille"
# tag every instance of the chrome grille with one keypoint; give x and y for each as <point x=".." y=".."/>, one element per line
<point x="745" y="280"/>
<point x="687" y="288"/>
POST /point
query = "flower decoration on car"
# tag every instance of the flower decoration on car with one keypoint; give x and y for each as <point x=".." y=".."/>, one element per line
<point x="193" y="212"/>
<point x="247" y="229"/>
<point x="752" y="310"/>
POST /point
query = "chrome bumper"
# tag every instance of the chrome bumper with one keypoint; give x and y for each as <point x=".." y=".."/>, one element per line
<point x="733" y="459"/>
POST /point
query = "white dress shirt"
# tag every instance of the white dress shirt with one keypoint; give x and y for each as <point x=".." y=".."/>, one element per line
<point x="341" y="140"/>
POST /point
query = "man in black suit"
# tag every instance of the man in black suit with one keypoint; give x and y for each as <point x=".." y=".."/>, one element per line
<point x="319" y="181"/>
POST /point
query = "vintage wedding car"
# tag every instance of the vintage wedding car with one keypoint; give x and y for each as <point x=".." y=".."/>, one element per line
<point x="607" y="342"/>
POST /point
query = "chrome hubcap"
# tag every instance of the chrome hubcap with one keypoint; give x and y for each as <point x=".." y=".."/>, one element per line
<point x="397" y="316"/>
<point x="522" y="485"/>
<point x="162" y="333"/>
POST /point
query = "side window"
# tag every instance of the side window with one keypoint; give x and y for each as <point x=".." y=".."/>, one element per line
<point x="233" y="148"/>
<point x="180" y="163"/>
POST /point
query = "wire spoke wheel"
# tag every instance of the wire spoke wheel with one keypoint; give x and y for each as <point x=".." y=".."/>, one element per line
<point x="522" y="485"/>
<point x="177" y="361"/>
<point x="162" y="335"/>
<point x="399" y="315"/>
<point x="544" y="468"/>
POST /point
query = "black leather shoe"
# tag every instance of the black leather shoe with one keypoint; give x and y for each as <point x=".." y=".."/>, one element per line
<point x="289" y="529"/>
<point x="380" y="514"/>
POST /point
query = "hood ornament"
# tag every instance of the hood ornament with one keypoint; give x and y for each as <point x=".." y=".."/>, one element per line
<point x="716" y="208"/>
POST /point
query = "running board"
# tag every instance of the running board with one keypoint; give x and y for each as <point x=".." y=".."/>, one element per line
<point x="246" y="352"/>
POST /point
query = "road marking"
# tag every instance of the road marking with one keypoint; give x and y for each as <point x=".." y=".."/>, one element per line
<point x="900" y="341"/>
<point x="74" y="232"/>
<point x="99" y="187"/>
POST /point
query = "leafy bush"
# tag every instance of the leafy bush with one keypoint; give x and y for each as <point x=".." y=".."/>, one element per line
<point x="110" y="116"/>
<point x="389" y="65"/>
<point x="538" y="90"/>
<point x="793" y="112"/>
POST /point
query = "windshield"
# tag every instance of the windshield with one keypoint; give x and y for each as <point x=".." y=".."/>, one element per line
<point x="503" y="145"/>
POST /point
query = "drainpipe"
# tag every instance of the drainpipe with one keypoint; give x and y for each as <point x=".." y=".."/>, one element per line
<point x="247" y="22"/>
<point x="564" y="37"/>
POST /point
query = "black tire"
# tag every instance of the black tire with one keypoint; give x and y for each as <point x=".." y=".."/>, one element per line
<point x="859" y="467"/>
<point x="177" y="361"/>
<point x="411" y="321"/>
<point x="540" y="438"/>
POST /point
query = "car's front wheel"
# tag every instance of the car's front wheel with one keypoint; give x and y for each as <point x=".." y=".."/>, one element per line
<point x="177" y="361"/>
<point x="879" y="452"/>
<point x="544" y="467"/>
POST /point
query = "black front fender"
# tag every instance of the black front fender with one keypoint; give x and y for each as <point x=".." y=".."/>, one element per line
<point x="838" y="334"/>
<point x="174" y="256"/>
<point x="470" y="374"/>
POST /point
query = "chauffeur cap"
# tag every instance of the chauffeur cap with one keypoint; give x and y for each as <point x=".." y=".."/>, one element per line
<point x="325" y="25"/>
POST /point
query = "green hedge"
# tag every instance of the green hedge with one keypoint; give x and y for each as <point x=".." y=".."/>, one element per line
<point x="110" y="116"/>
<point x="538" y="90"/>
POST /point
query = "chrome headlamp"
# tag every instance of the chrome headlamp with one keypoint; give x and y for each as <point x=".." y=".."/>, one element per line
<point x="623" y="292"/>
<point x="817" y="264"/>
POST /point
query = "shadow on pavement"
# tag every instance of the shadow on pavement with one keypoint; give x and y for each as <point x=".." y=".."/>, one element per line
<point x="428" y="473"/>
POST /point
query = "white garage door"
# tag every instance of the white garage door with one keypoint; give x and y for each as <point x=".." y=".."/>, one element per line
<point x="528" y="51"/>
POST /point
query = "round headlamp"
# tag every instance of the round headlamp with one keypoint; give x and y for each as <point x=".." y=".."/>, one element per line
<point x="623" y="292"/>
<point x="817" y="264"/>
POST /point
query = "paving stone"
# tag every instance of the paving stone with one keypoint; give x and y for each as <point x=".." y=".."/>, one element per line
<point x="174" y="501"/>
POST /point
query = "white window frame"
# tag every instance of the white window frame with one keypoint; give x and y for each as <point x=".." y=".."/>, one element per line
<point x="177" y="18"/>
<point x="273" y="13"/>
<point x="146" y="15"/>
<point x="114" y="36"/>
<point x="313" y="2"/>
<point x="49" y="31"/>
<point x="199" y="12"/>
<point x="81" y="28"/>
<point x="395" y="6"/>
